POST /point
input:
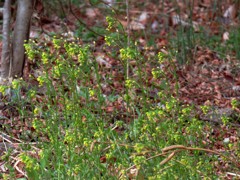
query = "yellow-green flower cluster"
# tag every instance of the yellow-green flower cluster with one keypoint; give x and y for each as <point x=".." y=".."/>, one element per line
<point x="111" y="22"/>
<point x="130" y="83"/>
<point x="69" y="137"/>
<point x="69" y="106"/>
<point x="160" y="57"/>
<point x="176" y="136"/>
<point x="3" y="89"/>
<point x="151" y="114"/>
<point x="37" y="111"/>
<point x="91" y="92"/>
<point x="41" y="80"/>
<point x="186" y="110"/>
<point x="98" y="134"/>
<point x="16" y="83"/>
<point x="234" y="103"/>
<point x="83" y="55"/>
<point x="109" y="155"/>
<point x="225" y="119"/>
<point x="155" y="114"/>
<point x="127" y="53"/>
<point x="30" y="51"/>
<point x="36" y="124"/>
<point x="32" y="93"/>
<point x="110" y="40"/>
<point x="77" y="169"/>
<point x="57" y="42"/>
<point x="71" y="48"/>
<point x="145" y="128"/>
<point x="139" y="147"/>
<point x="139" y="160"/>
<point x="45" y="57"/>
<point x="29" y="162"/>
<point x="205" y="109"/>
<point x="87" y="142"/>
<point x="119" y="123"/>
<point x="170" y="105"/>
<point x="160" y="94"/>
<point x="157" y="73"/>
<point x="56" y="70"/>
<point x="114" y="146"/>
<point x="194" y="127"/>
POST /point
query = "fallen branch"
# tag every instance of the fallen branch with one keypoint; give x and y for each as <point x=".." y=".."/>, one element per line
<point x="181" y="147"/>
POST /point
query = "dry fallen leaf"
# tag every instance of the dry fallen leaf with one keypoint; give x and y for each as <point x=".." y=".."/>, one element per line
<point x="231" y="12"/>
<point x="143" y="18"/>
<point x="103" y="61"/>
<point x="225" y="36"/>
<point x="133" y="173"/>
<point x="110" y="2"/>
<point x="177" y="20"/>
<point x="135" y="25"/>
<point x="154" y="26"/>
<point x="92" y="12"/>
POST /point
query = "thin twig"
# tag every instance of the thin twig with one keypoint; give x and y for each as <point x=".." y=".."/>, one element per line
<point x="178" y="148"/>
<point x="133" y="166"/>
<point x="199" y="149"/>
<point x="4" y="135"/>
<point x="233" y="174"/>
<point x="17" y="168"/>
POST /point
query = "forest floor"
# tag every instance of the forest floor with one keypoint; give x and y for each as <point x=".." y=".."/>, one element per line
<point x="206" y="62"/>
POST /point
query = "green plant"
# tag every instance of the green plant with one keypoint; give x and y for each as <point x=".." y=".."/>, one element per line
<point x="81" y="136"/>
<point x="233" y="42"/>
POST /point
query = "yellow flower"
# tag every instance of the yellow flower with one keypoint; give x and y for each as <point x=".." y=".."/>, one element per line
<point x="16" y="83"/>
<point x="3" y="89"/>
<point x="45" y="58"/>
<point x="36" y="111"/>
<point x="91" y="92"/>
<point x="41" y="80"/>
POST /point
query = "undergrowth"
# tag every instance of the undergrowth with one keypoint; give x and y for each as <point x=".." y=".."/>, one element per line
<point x="84" y="131"/>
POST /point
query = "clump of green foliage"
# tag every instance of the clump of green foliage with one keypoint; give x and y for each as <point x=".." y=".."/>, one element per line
<point x="78" y="139"/>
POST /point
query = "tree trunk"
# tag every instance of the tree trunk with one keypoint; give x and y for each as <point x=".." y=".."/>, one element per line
<point x="20" y="36"/>
<point x="6" y="49"/>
